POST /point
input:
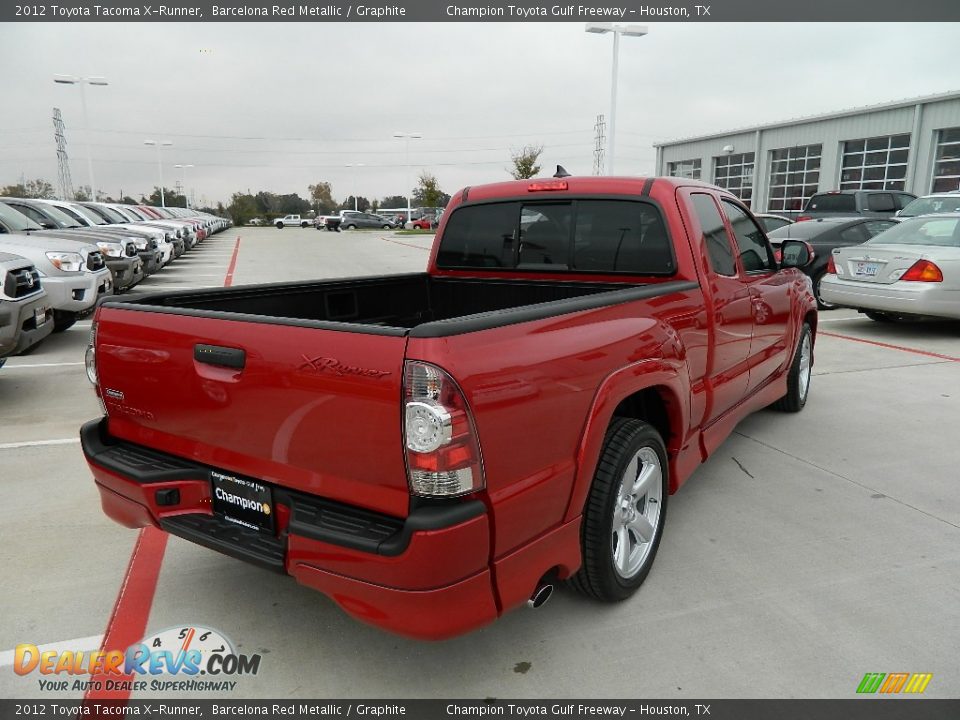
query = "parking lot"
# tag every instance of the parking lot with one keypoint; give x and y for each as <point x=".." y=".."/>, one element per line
<point x="809" y="550"/>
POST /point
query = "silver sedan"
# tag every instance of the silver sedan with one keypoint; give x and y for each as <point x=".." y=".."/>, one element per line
<point x="911" y="269"/>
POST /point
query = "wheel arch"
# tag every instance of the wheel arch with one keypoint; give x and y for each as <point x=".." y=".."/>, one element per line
<point x="652" y="391"/>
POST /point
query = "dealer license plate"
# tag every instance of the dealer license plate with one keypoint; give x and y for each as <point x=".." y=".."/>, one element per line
<point x="242" y="501"/>
<point x="40" y="316"/>
<point x="866" y="269"/>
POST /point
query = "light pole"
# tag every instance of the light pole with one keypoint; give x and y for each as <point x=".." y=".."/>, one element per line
<point x="407" y="137"/>
<point x="617" y="30"/>
<point x="82" y="82"/>
<point x="353" y="179"/>
<point x="160" y="144"/>
<point x="186" y="202"/>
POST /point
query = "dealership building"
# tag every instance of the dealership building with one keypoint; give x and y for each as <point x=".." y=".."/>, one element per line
<point x="911" y="145"/>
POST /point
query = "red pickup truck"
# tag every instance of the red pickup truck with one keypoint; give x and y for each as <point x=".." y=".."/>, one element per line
<point x="431" y="450"/>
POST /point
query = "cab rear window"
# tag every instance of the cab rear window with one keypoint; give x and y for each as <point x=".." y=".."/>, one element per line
<point x="832" y="203"/>
<point x="589" y="236"/>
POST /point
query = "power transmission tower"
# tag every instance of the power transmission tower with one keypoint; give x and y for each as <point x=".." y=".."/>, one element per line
<point x="599" y="152"/>
<point x="63" y="162"/>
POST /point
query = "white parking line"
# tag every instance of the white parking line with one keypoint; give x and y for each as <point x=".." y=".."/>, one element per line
<point x="39" y="443"/>
<point x="76" y="645"/>
<point x="12" y="366"/>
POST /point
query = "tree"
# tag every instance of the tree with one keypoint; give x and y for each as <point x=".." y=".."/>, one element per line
<point x="242" y="208"/>
<point x="428" y="192"/>
<point x="127" y="200"/>
<point x="322" y="196"/>
<point x="31" y="189"/>
<point x="171" y="198"/>
<point x="394" y="201"/>
<point x="82" y="193"/>
<point x="525" y="162"/>
<point x="361" y="204"/>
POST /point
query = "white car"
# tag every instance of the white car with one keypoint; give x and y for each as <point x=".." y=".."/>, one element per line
<point x="932" y="204"/>
<point x="912" y="269"/>
<point x="292" y="220"/>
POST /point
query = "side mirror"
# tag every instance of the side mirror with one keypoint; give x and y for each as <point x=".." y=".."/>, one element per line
<point x="796" y="254"/>
<point x="47" y="225"/>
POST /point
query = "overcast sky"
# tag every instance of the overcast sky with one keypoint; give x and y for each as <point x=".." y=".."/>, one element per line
<point x="279" y="106"/>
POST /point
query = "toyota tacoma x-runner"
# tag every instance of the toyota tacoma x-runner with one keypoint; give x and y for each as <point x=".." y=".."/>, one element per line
<point x="432" y="450"/>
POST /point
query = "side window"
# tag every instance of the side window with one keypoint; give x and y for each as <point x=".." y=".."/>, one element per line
<point x="752" y="245"/>
<point x="621" y="236"/>
<point x="881" y="202"/>
<point x="875" y="227"/>
<point x="714" y="235"/>
<point x="854" y="235"/>
<point x="31" y="213"/>
<point x="479" y="236"/>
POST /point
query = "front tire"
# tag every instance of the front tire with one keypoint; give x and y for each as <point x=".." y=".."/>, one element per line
<point x="624" y="514"/>
<point x="798" y="378"/>
<point x="279" y="226"/>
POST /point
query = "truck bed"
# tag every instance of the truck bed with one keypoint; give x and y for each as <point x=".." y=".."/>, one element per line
<point x="416" y="304"/>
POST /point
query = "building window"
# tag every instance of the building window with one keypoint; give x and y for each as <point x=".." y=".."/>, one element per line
<point x="878" y="163"/>
<point x="794" y="177"/>
<point x="735" y="173"/>
<point x="689" y="169"/>
<point x="946" y="165"/>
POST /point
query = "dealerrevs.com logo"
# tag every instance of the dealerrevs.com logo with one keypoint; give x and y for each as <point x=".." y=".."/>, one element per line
<point x="187" y="658"/>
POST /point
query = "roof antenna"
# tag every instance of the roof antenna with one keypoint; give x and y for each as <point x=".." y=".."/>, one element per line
<point x="561" y="172"/>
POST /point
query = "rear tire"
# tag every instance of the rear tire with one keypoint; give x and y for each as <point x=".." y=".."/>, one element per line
<point x="304" y="225"/>
<point x="798" y="378"/>
<point x="63" y="320"/>
<point x="625" y="512"/>
<point x="351" y="227"/>
<point x="821" y="304"/>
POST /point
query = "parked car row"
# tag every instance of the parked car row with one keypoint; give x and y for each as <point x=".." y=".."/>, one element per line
<point x="887" y="254"/>
<point x="60" y="257"/>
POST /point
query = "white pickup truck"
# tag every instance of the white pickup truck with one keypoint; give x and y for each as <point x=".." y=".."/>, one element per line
<point x="293" y="220"/>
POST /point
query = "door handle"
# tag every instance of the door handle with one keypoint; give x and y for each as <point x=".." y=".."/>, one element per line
<point x="222" y="356"/>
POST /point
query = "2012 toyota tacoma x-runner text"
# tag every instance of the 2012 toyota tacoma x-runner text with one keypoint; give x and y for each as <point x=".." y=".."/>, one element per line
<point x="431" y="450"/>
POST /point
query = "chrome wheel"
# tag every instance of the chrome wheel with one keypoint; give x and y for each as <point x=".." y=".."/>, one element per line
<point x="636" y="513"/>
<point x="805" y="366"/>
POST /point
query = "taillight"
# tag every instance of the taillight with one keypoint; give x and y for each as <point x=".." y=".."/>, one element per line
<point x="443" y="455"/>
<point x="778" y="254"/>
<point x="831" y="266"/>
<point x="923" y="271"/>
<point x="801" y="218"/>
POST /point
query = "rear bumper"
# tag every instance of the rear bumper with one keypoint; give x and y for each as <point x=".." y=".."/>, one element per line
<point x="425" y="576"/>
<point x="911" y="298"/>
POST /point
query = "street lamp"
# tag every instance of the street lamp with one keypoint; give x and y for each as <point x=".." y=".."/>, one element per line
<point x="353" y="177"/>
<point x="82" y="82"/>
<point x="160" y="144"/>
<point x="186" y="203"/>
<point x="407" y="137"/>
<point x="617" y="30"/>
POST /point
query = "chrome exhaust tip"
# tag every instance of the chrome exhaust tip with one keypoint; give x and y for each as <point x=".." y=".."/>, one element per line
<point x="540" y="596"/>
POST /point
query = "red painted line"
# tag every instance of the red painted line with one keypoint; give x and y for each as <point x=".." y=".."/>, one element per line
<point x="397" y="242"/>
<point x="890" y="347"/>
<point x="128" y="621"/>
<point x="228" y="280"/>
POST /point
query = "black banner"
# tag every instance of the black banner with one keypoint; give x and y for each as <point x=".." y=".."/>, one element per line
<point x="634" y="11"/>
<point x="857" y="709"/>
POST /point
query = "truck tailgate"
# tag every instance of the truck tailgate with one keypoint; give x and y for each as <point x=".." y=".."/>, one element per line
<point x="310" y="409"/>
